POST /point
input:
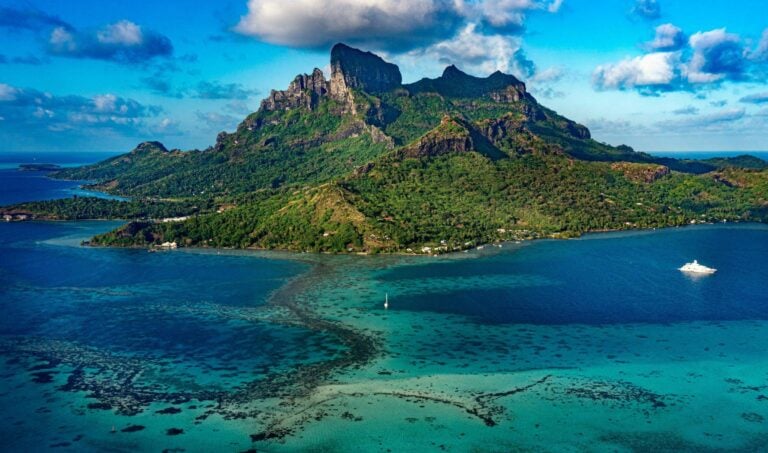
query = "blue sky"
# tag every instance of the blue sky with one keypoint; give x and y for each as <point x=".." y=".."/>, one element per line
<point x="86" y="75"/>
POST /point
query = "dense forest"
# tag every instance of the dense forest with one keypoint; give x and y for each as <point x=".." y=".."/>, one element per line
<point x="363" y="163"/>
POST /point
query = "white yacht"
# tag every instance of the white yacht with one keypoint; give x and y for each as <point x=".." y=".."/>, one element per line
<point x="386" y="301"/>
<point x="697" y="268"/>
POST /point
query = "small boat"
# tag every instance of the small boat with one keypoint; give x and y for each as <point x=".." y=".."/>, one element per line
<point x="696" y="268"/>
<point x="386" y="301"/>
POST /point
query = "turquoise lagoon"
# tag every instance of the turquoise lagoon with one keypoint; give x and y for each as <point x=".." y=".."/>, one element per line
<point x="596" y="344"/>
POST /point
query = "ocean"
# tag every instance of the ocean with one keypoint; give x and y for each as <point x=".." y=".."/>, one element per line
<point x="708" y="154"/>
<point x="597" y="344"/>
<point x="20" y="186"/>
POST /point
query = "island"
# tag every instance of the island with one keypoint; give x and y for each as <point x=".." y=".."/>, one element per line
<point x="360" y="162"/>
<point x="39" y="167"/>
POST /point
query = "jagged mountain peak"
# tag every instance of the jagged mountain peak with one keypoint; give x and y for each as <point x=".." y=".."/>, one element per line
<point x="354" y="68"/>
<point x="458" y="84"/>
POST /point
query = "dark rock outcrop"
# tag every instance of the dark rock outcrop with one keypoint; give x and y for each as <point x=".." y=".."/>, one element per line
<point x="355" y="69"/>
<point x="306" y="91"/>
<point x="148" y="147"/>
<point x="455" y="83"/>
<point x="578" y="131"/>
<point x="646" y="173"/>
<point x="451" y="136"/>
<point x="497" y="130"/>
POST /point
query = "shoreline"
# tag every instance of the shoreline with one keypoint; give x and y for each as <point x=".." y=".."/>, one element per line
<point x="453" y="253"/>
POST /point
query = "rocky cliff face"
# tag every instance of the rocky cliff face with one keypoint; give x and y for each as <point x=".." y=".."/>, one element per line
<point x="350" y="69"/>
<point x="355" y="69"/>
<point x="452" y="136"/>
<point x="306" y="91"/>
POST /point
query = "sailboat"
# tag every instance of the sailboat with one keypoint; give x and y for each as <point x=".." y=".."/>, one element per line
<point x="386" y="301"/>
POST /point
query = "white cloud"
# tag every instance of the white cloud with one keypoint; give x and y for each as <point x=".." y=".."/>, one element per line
<point x="62" y="38"/>
<point x="503" y="13"/>
<point x="668" y="37"/>
<point x="380" y="24"/>
<point x="654" y="69"/>
<point x="7" y="92"/>
<point x="122" y="41"/>
<point x="672" y="63"/>
<point x="166" y="126"/>
<point x="555" y="6"/>
<point x="647" y="9"/>
<point x="761" y="51"/>
<point x="716" y="55"/>
<point x="309" y="23"/>
<point x="479" y="53"/>
<point x="43" y="113"/>
<point x="122" y="32"/>
<point x="552" y="74"/>
<point x="105" y="102"/>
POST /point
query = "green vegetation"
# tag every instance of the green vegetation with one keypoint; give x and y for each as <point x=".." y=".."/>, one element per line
<point x="460" y="200"/>
<point x="440" y="165"/>
<point x="81" y="208"/>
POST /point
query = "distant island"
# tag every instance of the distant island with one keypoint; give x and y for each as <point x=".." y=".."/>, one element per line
<point x="39" y="167"/>
<point x="361" y="163"/>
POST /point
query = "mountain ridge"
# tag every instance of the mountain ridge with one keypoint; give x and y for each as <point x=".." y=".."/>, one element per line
<point x="360" y="162"/>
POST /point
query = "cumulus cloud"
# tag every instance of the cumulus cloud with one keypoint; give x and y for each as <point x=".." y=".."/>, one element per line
<point x="479" y="53"/>
<point x="385" y="23"/>
<point x="668" y="37"/>
<point x="704" y="60"/>
<point x="647" y="9"/>
<point x="509" y="15"/>
<point x="122" y="41"/>
<point x="32" y="110"/>
<point x="757" y="98"/>
<point x="717" y="55"/>
<point x="393" y="25"/>
<point x="654" y="71"/>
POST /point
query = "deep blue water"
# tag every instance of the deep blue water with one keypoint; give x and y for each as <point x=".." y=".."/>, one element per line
<point x="620" y="278"/>
<point x="12" y="160"/>
<point x="19" y="186"/>
<point x="708" y="154"/>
